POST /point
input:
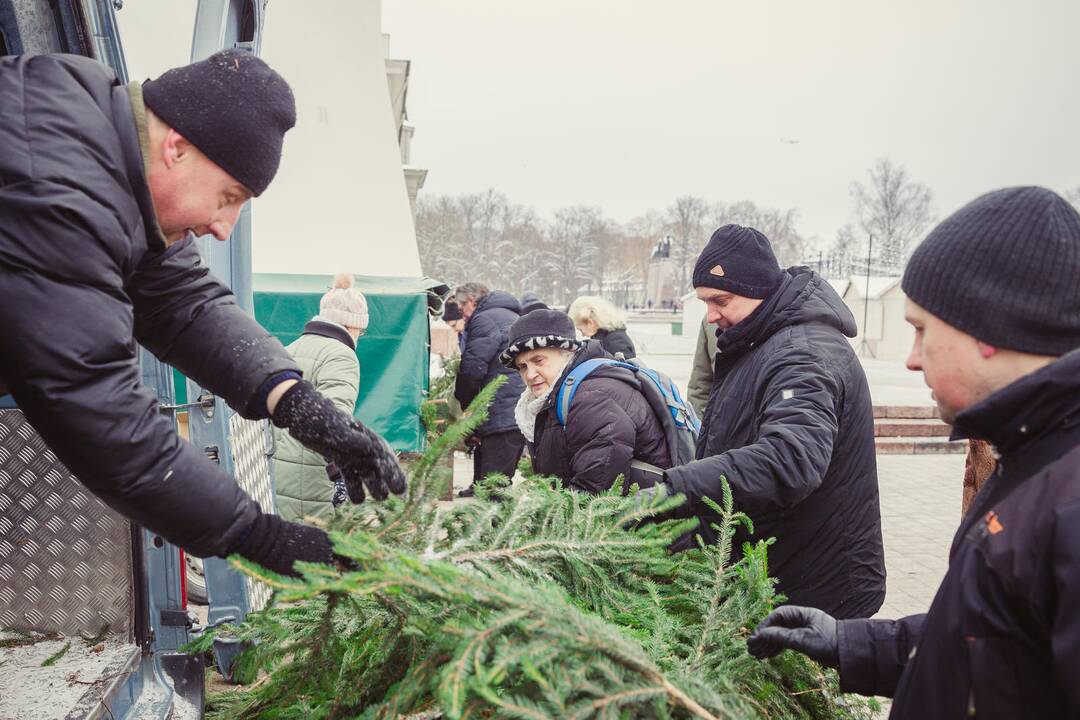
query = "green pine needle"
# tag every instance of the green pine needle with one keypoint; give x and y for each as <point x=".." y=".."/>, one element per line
<point x="539" y="603"/>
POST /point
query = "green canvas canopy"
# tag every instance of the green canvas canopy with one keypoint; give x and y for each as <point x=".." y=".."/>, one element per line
<point x="394" y="351"/>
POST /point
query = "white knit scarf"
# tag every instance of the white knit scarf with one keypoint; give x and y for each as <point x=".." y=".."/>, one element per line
<point x="527" y="409"/>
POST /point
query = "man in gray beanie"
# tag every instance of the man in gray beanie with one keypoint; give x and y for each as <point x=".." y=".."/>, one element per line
<point x="103" y="189"/>
<point x="994" y="296"/>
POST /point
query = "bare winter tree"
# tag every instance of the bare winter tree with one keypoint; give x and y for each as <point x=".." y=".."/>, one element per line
<point x="440" y="236"/>
<point x="894" y="209"/>
<point x="686" y="222"/>
<point x="571" y="248"/>
<point x="1073" y="196"/>
<point x="777" y="225"/>
<point x="479" y="237"/>
<point x="844" y="254"/>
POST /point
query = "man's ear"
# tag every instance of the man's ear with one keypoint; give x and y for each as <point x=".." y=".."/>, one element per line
<point x="986" y="350"/>
<point x="175" y="149"/>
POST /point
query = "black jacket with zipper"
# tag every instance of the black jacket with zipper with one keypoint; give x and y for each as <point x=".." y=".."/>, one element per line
<point x="616" y="341"/>
<point x="84" y="275"/>
<point x="790" y="424"/>
<point x="1002" y="636"/>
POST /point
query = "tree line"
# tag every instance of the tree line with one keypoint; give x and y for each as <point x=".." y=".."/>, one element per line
<point x="489" y="238"/>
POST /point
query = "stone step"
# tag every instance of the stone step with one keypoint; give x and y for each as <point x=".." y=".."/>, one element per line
<point x="910" y="427"/>
<point x="906" y="411"/>
<point x="918" y="446"/>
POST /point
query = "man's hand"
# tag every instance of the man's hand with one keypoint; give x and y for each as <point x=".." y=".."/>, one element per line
<point x="277" y="544"/>
<point x="807" y="630"/>
<point x="364" y="459"/>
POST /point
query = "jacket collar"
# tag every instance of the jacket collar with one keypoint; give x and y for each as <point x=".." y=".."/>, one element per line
<point x="1031" y="408"/>
<point x="330" y="330"/>
<point x="139" y="169"/>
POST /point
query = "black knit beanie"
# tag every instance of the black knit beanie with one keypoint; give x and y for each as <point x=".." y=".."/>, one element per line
<point x="232" y="107"/>
<point x="539" y="329"/>
<point x="451" y="311"/>
<point x="739" y="260"/>
<point x="1005" y="269"/>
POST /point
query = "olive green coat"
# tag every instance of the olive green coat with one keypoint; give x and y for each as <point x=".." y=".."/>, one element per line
<point x="302" y="488"/>
<point x="701" y="375"/>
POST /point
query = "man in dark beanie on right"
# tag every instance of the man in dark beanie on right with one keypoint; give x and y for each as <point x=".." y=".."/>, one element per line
<point x="103" y="190"/>
<point x="994" y="296"/>
<point x="789" y="423"/>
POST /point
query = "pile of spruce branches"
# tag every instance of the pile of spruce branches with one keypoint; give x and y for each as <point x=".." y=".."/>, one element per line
<point x="536" y="603"/>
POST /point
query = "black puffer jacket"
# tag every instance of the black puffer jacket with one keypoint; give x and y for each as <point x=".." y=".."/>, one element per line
<point x="1002" y="638"/>
<point x="789" y="423"/>
<point x="609" y="424"/>
<point x="616" y="341"/>
<point x="84" y="274"/>
<point x="486" y="336"/>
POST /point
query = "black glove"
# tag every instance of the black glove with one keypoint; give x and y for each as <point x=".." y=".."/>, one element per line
<point x="363" y="457"/>
<point x="277" y="544"/>
<point x="646" y="496"/>
<point x="341" y="493"/>
<point x="808" y="630"/>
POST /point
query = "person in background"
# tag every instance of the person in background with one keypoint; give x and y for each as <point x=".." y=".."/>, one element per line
<point x="452" y="316"/>
<point x="305" y="486"/>
<point x="993" y="293"/>
<point x="598" y="319"/>
<point x="979" y="465"/>
<point x="790" y="425"/>
<point x="701" y="373"/>
<point x="497" y="443"/>
<point x="531" y="301"/>
<point x="609" y="423"/>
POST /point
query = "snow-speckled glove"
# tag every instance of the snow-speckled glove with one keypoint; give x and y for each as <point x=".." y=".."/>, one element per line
<point x="366" y="460"/>
<point x="277" y="544"/>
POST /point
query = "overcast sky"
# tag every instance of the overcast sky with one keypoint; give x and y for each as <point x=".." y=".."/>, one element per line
<point x="626" y="105"/>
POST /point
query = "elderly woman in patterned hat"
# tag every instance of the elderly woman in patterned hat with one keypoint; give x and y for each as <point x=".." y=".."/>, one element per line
<point x="608" y="424"/>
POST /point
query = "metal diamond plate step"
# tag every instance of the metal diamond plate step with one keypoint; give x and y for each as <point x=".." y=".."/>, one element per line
<point x="65" y="558"/>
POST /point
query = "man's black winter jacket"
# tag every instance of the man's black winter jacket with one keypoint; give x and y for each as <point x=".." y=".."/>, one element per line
<point x="486" y="336"/>
<point x="1002" y="637"/>
<point x="84" y="275"/>
<point x="790" y="425"/>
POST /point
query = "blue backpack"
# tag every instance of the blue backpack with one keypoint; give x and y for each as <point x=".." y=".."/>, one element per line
<point x="677" y="417"/>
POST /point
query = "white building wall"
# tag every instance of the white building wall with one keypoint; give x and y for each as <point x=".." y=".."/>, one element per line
<point x="339" y="201"/>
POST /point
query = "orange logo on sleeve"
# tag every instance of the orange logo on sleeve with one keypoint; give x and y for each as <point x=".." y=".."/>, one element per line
<point x="993" y="524"/>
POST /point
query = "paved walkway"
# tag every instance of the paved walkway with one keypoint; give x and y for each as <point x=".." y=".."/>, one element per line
<point x="920" y="511"/>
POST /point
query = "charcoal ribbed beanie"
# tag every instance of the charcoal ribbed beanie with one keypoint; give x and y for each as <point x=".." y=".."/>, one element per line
<point x="1005" y="269"/>
<point x="739" y="260"/>
<point x="231" y="106"/>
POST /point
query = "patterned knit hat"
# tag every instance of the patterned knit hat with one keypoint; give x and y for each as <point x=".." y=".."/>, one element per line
<point x="344" y="304"/>
<point x="540" y="329"/>
<point x="1005" y="269"/>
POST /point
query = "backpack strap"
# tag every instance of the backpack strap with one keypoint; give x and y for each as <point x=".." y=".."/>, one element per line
<point x="573" y="380"/>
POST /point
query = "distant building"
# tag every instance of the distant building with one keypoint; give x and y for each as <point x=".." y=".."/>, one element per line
<point x="397" y="78"/>
<point x="878" y="307"/>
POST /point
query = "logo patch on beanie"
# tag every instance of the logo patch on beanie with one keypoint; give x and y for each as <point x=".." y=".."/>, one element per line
<point x="717" y="270"/>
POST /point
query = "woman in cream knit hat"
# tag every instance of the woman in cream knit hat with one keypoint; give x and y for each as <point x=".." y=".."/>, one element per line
<point x="326" y="353"/>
